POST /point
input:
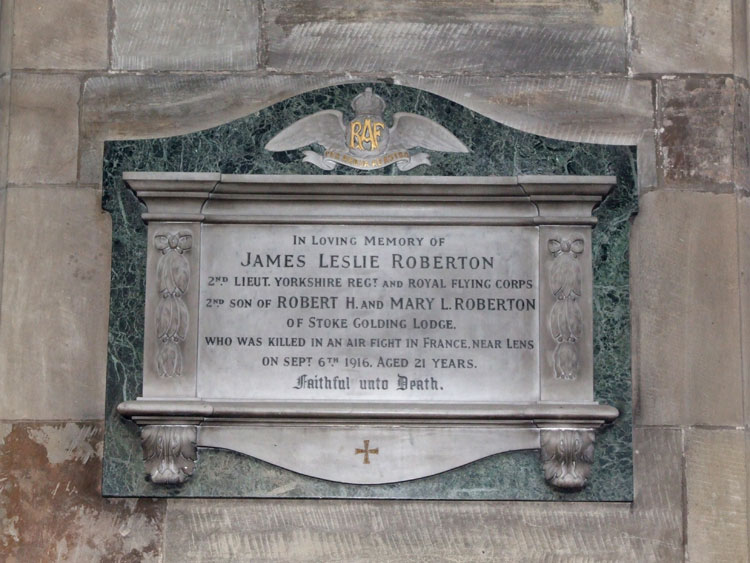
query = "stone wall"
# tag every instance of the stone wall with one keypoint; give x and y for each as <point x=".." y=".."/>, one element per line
<point x="667" y="75"/>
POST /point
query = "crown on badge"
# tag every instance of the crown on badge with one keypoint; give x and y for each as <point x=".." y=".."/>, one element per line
<point x="368" y="103"/>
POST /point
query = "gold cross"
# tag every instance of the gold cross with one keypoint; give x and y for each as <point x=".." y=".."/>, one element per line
<point x="367" y="451"/>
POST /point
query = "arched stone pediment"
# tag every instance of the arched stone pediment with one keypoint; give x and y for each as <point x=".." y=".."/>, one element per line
<point x="586" y="109"/>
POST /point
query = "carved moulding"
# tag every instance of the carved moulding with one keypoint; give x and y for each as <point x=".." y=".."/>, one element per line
<point x="212" y="223"/>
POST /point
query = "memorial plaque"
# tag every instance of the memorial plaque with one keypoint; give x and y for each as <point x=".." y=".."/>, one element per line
<point x="363" y="313"/>
<point x="368" y="329"/>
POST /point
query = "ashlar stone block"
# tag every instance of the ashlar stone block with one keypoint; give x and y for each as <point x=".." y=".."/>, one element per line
<point x="472" y="37"/>
<point x="185" y="35"/>
<point x="6" y="35"/>
<point x="4" y="126"/>
<point x="312" y="530"/>
<point x="43" y="129"/>
<point x="740" y="39"/>
<point x="51" y="508"/>
<point x="60" y="34"/>
<point x="589" y="109"/>
<point x="681" y="36"/>
<point x="55" y="303"/>
<point x="695" y="125"/>
<point x="743" y="209"/>
<point x="741" y="154"/>
<point x="685" y="296"/>
<point x="135" y="106"/>
<point x="716" y="495"/>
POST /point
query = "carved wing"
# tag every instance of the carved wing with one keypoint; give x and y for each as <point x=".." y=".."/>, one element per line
<point x="324" y="127"/>
<point x="411" y="130"/>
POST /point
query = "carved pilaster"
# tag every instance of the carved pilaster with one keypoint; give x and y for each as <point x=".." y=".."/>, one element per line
<point x="565" y="316"/>
<point x="567" y="455"/>
<point x="172" y="316"/>
<point x="169" y="452"/>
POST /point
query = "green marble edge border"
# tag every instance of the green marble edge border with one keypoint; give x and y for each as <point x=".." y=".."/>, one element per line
<point x="236" y="147"/>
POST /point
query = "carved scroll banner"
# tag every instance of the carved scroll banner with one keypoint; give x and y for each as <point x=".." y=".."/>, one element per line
<point x="368" y="329"/>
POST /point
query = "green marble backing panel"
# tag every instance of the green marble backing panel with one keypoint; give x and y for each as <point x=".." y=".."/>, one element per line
<point x="237" y="147"/>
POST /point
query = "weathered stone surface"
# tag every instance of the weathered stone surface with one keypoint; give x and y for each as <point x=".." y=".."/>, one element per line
<point x="716" y="495"/>
<point x="60" y="34"/>
<point x="3" y="205"/>
<point x="681" y="36"/>
<point x="6" y="35"/>
<point x="90" y="159"/>
<point x="650" y="530"/>
<point x="743" y="210"/>
<point x="648" y="174"/>
<point x="55" y="291"/>
<point x="684" y="283"/>
<point x="695" y="132"/>
<point x="477" y="37"/>
<point x="593" y="110"/>
<point x="4" y="125"/>
<point x="185" y="35"/>
<point x="741" y="154"/>
<point x="739" y="38"/>
<point x="51" y="507"/>
<point x="142" y="106"/>
<point x="43" y="129"/>
<point x="601" y="110"/>
<point x="4" y="128"/>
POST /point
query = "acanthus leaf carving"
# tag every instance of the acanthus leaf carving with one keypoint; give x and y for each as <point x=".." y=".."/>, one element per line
<point x="169" y="452"/>
<point x="567" y="455"/>
<point x="171" y="315"/>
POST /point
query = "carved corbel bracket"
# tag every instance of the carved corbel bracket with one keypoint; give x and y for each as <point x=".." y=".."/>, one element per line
<point x="567" y="455"/>
<point x="169" y="452"/>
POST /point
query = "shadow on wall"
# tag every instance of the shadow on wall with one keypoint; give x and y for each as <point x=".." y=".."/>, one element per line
<point x="496" y="150"/>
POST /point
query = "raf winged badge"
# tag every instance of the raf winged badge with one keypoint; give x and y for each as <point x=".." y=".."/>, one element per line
<point x="366" y="142"/>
